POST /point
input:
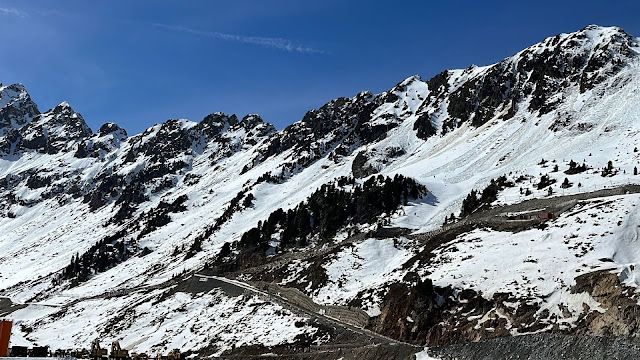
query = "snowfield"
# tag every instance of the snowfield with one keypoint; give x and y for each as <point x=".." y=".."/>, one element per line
<point x="541" y="265"/>
<point x="181" y="321"/>
<point x="366" y="266"/>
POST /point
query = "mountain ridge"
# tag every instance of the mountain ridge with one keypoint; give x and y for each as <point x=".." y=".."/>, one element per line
<point x="182" y="195"/>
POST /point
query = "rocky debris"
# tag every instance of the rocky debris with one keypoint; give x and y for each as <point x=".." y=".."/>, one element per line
<point x="338" y="351"/>
<point x="463" y="316"/>
<point x="620" y="302"/>
<point x="542" y="346"/>
<point x="359" y="168"/>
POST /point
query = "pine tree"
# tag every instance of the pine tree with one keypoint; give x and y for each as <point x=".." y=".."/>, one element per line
<point x="225" y="250"/>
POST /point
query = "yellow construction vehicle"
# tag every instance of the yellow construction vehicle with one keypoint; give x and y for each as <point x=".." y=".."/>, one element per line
<point x="97" y="353"/>
<point x="141" y="356"/>
<point x="174" y="355"/>
<point x="117" y="353"/>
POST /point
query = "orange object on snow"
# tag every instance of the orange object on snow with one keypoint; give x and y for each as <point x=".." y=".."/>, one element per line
<point x="5" y="333"/>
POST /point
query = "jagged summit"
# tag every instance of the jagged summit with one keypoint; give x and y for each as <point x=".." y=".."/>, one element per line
<point x="15" y="88"/>
<point x="604" y="33"/>
<point x="58" y="129"/>
<point x="220" y="118"/>
<point x="109" y="128"/>
<point x="64" y="111"/>
<point x="107" y="139"/>
<point x="16" y="108"/>
<point x="63" y="105"/>
<point x="216" y="123"/>
<point x="253" y="120"/>
<point x="411" y="79"/>
<point x="534" y="79"/>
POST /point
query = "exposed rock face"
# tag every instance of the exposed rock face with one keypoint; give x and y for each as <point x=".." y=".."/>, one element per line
<point x="58" y="129"/>
<point x="360" y="168"/>
<point x="330" y="124"/>
<point x="216" y="123"/>
<point x="620" y="302"/>
<point x="16" y="110"/>
<point x="165" y="152"/>
<point x="255" y="129"/>
<point x="108" y="138"/>
<point x="342" y="125"/>
<point x="16" y="107"/>
<point x="536" y="75"/>
<point x="452" y="320"/>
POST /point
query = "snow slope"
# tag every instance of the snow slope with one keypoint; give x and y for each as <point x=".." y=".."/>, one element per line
<point x="181" y="321"/>
<point x="541" y="265"/>
<point x="61" y="196"/>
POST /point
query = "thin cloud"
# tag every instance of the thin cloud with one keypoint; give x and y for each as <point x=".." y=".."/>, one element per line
<point x="274" y="43"/>
<point x="13" y="12"/>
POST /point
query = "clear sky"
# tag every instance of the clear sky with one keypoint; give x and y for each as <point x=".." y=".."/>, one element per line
<point x="137" y="63"/>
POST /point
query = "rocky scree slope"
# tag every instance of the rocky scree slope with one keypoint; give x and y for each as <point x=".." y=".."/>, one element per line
<point x="85" y="213"/>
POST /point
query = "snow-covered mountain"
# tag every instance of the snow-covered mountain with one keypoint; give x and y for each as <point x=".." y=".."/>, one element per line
<point x="99" y="230"/>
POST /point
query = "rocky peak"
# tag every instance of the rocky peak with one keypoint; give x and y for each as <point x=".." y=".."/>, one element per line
<point x="338" y="113"/>
<point x="532" y="80"/>
<point x="335" y="127"/>
<point x="600" y="36"/>
<point x="216" y="123"/>
<point x="111" y="128"/>
<point x="58" y="129"/>
<point x="107" y="139"/>
<point x="163" y="140"/>
<point x="393" y="94"/>
<point x="256" y="128"/>
<point x="63" y="115"/>
<point x="16" y="108"/>
<point x="220" y="117"/>
<point x="404" y="84"/>
<point x="63" y="107"/>
<point x="586" y="57"/>
<point x="252" y="120"/>
<point x="11" y="93"/>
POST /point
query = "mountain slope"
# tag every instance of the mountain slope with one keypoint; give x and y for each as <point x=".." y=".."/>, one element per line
<point x="84" y="214"/>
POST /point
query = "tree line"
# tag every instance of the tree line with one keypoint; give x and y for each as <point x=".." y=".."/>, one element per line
<point x="330" y="208"/>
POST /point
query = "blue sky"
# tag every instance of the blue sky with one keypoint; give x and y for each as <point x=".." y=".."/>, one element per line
<point x="137" y="63"/>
